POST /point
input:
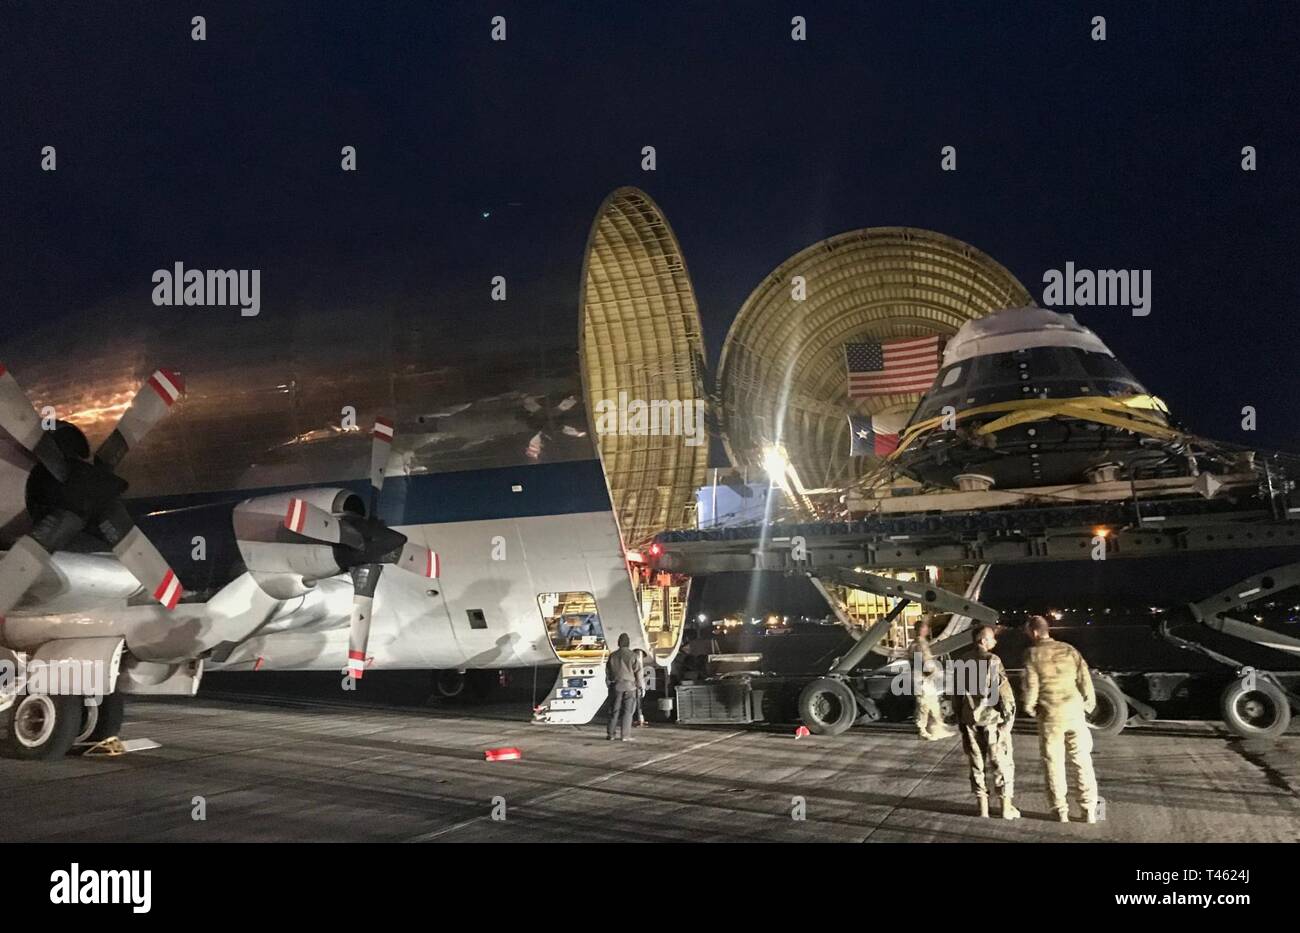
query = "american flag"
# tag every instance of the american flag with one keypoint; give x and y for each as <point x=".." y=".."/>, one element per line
<point x="899" y="366"/>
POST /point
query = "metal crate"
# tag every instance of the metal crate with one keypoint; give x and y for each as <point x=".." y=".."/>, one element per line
<point x="719" y="702"/>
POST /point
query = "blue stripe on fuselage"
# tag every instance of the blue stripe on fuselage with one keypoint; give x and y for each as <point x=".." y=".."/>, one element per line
<point x="185" y="527"/>
<point x="563" y="488"/>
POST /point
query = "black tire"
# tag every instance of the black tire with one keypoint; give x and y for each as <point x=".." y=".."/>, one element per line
<point x="1260" y="713"/>
<point x="827" y="706"/>
<point x="103" y="721"/>
<point x="39" y="727"/>
<point x="449" y="684"/>
<point x="1111" y="713"/>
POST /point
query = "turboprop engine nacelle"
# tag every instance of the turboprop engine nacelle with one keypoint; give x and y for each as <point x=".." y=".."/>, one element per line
<point x="283" y="563"/>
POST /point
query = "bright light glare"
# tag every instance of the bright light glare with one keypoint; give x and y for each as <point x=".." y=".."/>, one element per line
<point x="775" y="462"/>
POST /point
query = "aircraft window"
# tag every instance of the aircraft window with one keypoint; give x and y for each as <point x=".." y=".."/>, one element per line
<point x="950" y="377"/>
<point x="476" y="618"/>
<point x="572" y="623"/>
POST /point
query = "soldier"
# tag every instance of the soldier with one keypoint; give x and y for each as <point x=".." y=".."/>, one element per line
<point x="986" y="711"/>
<point x="927" y="680"/>
<point x="1058" y="690"/>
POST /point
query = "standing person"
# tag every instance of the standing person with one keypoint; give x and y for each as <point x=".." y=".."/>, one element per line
<point x="1058" y="691"/>
<point x="623" y="674"/>
<point x="986" y="711"/>
<point x="927" y="682"/>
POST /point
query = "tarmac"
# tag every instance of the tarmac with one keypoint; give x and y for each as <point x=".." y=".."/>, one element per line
<point x="266" y="767"/>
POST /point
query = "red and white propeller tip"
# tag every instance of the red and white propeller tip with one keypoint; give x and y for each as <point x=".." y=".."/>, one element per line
<point x="356" y="663"/>
<point x="138" y="555"/>
<point x="168" y="592"/>
<point x="168" y="384"/>
<point x="419" y="560"/>
<point x="151" y="404"/>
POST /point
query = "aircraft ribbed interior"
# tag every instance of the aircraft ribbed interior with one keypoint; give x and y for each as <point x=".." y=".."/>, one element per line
<point x="641" y="340"/>
<point x="781" y="375"/>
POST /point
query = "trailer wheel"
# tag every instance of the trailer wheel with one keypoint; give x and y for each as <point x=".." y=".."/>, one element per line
<point x="1259" y="713"/>
<point x="39" y="727"/>
<point x="1111" y="713"/>
<point x="103" y="720"/>
<point x="827" y="706"/>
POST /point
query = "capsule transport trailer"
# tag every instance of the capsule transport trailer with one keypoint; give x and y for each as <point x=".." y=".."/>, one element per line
<point x="1183" y="636"/>
<point x="1187" y="636"/>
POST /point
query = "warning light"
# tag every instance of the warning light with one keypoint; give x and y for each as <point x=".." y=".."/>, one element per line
<point x="656" y="549"/>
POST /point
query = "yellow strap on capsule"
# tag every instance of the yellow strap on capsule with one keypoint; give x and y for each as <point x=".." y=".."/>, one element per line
<point x="1128" y="412"/>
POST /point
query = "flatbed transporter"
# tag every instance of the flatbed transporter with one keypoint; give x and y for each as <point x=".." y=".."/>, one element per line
<point x="1251" y="512"/>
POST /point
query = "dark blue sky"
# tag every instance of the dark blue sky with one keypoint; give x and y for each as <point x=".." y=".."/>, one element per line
<point x="1115" y="154"/>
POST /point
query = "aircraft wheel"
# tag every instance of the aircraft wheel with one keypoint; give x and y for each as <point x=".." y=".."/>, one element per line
<point x="1111" y="713"/>
<point x="103" y="720"/>
<point x="449" y="684"/>
<point x="1259" y="713"/>
<point x="39" y="727"/>
<point x="827" y="706"/>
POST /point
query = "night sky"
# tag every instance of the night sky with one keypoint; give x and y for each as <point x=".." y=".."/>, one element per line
<point x="225" y="153"/>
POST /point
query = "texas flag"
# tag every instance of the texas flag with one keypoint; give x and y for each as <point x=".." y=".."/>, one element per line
<point x="866" y="441"/>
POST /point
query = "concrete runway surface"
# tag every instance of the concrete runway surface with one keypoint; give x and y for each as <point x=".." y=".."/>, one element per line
<point x="276" y="768"/>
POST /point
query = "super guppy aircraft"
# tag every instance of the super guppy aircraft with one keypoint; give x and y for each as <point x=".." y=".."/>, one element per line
<point x="260" y="491"/>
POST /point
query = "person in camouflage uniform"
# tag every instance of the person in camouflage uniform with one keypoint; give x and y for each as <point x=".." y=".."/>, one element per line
<point x="927" y="686"/>
<point x="986" y="711"/>
<point x="1059" y="692"/>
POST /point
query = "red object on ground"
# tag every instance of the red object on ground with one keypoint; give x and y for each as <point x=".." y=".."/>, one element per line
<point x="502" y="754"/>
<point x="801" y="732"/>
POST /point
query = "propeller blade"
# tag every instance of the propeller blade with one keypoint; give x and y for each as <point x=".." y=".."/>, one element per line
<point x="138" y="555"/>
<point x="419" y="560"/>
<point x="19" y="419"/>
<point x="55" y="530"/>
<point x="311" y="521"/>
<point x="381" y="446"/>
<point x="150" y="405"/>
<point x="19" y="569"/>
<point x="365" y="580"/>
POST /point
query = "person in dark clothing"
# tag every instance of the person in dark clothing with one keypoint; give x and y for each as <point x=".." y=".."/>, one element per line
<point x="643" y="687"/>
<point x="986" y="711"/>
<point x="623" y="675"/>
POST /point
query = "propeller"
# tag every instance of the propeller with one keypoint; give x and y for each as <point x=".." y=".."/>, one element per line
<point x="75" y="492"/>
<point x="545" y="417"/>
<point x="364" y="546"/>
